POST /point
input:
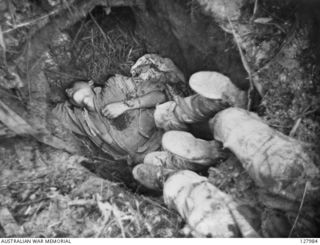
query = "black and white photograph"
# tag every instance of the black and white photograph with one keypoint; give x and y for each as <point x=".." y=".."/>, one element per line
<point x="159" y="119"/>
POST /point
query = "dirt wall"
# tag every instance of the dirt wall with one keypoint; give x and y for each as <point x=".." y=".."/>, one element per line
<point x="181" y="31"/>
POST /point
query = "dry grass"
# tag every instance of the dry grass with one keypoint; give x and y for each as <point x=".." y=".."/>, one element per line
<point x="97" y="47"/>
<point x="105" y="49"/>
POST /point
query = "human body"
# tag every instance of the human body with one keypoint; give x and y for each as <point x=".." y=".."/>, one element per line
<point x="286" y="178"/>
<point x="118" y="117"/>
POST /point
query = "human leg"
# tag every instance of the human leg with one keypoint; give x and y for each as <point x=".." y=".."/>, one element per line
<point x="285" y="174"/>
<point x="181" y="151"/>
<point x="206" y="209"/>
<point x="214" y="92"/>
<point x="277" y="163"/>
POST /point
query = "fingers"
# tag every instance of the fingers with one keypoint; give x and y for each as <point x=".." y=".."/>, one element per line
<point x="109" y="115"/>
<point x="104" y="112"/>
<point x="113" y="110"/>
<point x="107" y="112"/>
<point x="108" y="107"/>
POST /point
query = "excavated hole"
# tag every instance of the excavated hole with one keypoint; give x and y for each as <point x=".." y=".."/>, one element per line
<point x="105" y="43"/>
<point x="96" y="47"/>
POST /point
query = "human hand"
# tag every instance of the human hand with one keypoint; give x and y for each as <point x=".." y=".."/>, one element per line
<point x="114" y="110"/>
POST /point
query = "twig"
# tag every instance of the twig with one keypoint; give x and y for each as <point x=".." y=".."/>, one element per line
<point x="255" y="8"/>
<point x="118" y="219"/>
<point x="305" y="112"/>
<point x="246" y="66"/>
<point x="34" y="215"/>
<point x="295" y="127"/>
<point x="137" y="214"/>
<point x="3" y="45"/>
<point x="77" y="34"/>
<point x="129" y="53"/>
<point x="278" y="126"/>
<point x="12" y="12"/>
<point x="65" y="3"/>
<point x="156" y="204"/>
<point x="300" y="208"/>
<point x="99" y="27"/>
<point x="31" y="22"/>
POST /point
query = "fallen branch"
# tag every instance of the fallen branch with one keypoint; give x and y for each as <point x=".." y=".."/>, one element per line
<point x="21" y="127"/>
<point x="44" y="18"/>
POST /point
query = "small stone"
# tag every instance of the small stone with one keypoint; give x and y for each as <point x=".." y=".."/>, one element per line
<point x="186" y="230"/>
<point x="282" y="77"/>
<point x="235" y="175"/>
<point x="53" y="3"/>
<point x="33" y="196"/>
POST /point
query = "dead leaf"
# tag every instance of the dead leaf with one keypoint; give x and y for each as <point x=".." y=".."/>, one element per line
<point x="118" y="218"/>
<point x="104" y="207"/>
<point x="82" y="202"/>
<point x="263" y="20"/>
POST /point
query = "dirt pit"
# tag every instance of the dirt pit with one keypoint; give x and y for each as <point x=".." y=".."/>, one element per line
<point x="71" y="191"/>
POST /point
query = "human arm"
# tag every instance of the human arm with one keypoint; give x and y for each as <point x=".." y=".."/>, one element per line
<point x="149" y="100"/>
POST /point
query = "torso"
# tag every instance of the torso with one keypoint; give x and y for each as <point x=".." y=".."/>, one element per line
<point x="134" y="131"/>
